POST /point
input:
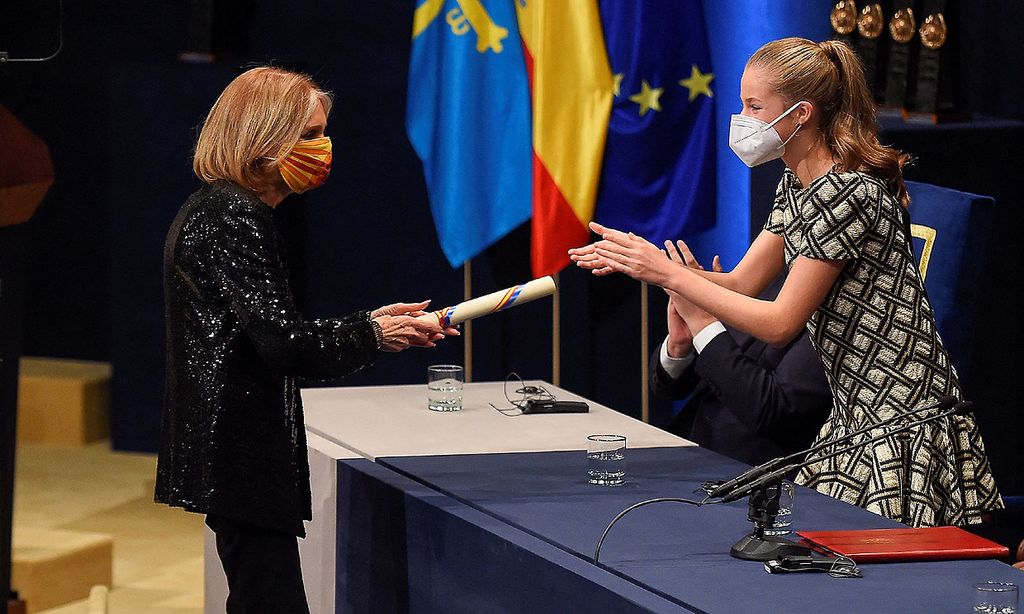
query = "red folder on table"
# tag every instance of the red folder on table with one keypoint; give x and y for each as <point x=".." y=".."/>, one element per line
<point x="906" y="544"/>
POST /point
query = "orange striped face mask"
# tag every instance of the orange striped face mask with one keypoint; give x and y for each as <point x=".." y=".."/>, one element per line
<point x="308" y="165"/>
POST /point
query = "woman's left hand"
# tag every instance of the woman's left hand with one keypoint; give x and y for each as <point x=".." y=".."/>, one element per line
<point x="400" y="309"/>
<point x="621" y="252"/>
<point x="414" y="310"/>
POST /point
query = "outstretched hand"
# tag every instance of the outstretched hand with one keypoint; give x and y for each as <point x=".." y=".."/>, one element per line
<point x="621" y="252"/>
<point x="680" y="253"/>
<point x="399" y="309"/>
<point x="401" y="329"/>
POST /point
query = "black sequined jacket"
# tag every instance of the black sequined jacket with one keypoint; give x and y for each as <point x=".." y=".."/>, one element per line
<point x="233" y="439"/>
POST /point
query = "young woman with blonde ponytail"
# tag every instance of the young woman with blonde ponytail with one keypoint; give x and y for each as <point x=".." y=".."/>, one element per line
<point x="838" y="224"/>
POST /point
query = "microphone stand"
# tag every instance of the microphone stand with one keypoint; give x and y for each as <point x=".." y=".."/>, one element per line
<point x="723" y="489"/>
<point x="763" y="483"/>
<point x="762" y="509"/>
<point x="764" y="492"/>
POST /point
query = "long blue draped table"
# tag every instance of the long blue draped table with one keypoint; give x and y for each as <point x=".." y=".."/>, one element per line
<point x="382" y="542"/>
<point x="540" y="502"/>
<point x="403" y="546"/>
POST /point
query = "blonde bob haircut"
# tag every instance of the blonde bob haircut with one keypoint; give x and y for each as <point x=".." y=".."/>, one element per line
<point x="254" y="124"/>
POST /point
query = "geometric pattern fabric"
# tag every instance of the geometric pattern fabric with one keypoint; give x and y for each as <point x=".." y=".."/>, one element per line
<point x="876" y="336"/>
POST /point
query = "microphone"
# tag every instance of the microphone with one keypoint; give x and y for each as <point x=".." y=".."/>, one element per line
<point x="763" y="479"/>
<point x="758" y="546"/>
<point x="724" y="489"/>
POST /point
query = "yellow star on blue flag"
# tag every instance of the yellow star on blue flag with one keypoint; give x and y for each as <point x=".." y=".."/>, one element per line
<point x="658" y="175"/>
<point x="698" y="83"/>
<point x="647" y="97"/>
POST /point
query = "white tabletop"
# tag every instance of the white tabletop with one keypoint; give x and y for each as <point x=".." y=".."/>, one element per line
<point x="394" y="421"/>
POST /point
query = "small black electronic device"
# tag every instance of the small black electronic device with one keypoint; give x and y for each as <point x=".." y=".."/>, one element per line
<point x="840" y="568"/>
<point x="551" y="406"/>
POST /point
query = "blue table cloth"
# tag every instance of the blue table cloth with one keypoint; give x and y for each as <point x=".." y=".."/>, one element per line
<point x="403" y="546"/>
<point x="682" y="552"/>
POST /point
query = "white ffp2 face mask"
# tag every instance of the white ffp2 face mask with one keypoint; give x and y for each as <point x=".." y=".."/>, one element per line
<point x="756" y="141"/>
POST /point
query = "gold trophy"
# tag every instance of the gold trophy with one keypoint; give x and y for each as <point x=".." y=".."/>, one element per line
<point x="870" y="24"/>
<point x="902" y="28"/>
<point x="933" y="33"/>
<point x="844" y="17"/>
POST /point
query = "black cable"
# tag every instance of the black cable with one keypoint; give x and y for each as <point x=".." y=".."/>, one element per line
<point x="529" y="393"/>
<point x="600" y="542"/>
<point x="60" y="41"/>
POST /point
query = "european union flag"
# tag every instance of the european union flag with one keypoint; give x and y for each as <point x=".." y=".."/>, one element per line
<point x="659" y="166"/>
<point x="468" y="118"/>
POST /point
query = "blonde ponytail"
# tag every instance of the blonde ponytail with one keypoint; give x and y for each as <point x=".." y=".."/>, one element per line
<point x="830" y="76"/>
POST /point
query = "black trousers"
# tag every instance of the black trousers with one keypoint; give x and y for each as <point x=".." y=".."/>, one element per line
<point x="262" y="567"/>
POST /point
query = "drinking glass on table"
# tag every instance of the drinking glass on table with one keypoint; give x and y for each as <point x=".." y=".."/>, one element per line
<point x="783" y="524"/>
<point x="444" y="387"/>
<point x="606" y="459"/>
<point x="995" y="597"/>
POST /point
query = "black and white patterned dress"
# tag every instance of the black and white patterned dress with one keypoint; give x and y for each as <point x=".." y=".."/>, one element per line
<point x="875" y="333"/>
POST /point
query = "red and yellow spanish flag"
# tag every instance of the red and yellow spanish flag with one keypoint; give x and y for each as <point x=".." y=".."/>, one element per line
<point x="571" y="91"/>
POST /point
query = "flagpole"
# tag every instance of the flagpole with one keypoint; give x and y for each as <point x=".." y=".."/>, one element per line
<point x="645" y="353"/>
<point x="467" y="328"/>
<point x="556" y="335"/>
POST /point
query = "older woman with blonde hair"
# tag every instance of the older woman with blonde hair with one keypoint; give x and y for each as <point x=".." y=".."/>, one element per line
<point x="233" y="444"/>
<point x="840" y="226"/>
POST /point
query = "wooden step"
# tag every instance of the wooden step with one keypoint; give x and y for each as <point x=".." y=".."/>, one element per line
<point x="63" y="401"/>
<point x="51" y="567"/>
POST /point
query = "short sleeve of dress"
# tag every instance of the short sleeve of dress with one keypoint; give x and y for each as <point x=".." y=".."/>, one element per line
<point x="845" y="214"/>
<point x="775" y="223"/>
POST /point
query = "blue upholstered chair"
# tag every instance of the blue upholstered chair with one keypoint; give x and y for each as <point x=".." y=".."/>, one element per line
<point x="951" y="231"/>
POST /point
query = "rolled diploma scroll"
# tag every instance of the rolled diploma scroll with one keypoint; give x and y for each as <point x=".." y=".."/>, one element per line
<point x="493" y="302"/>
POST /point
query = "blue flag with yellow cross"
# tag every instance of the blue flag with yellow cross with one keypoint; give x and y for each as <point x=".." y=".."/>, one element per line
<point x="468" y="118"/>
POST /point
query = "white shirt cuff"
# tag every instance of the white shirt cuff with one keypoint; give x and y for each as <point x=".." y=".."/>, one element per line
<point x="674" y="367"/>
<point x="706" y="334"/>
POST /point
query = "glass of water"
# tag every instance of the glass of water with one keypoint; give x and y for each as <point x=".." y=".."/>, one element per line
<point x="606" y="459"/>
<point x="995" y="597"/>
<point x="783" y="524"/>
<point x="444" y="387"/>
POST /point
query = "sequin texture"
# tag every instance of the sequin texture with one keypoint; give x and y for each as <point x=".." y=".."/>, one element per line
<point x="233" y="439"/>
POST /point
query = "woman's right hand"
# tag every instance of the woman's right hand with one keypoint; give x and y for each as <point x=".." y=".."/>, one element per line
<point x="624" y="252"/>
<point x="402" y="332"/>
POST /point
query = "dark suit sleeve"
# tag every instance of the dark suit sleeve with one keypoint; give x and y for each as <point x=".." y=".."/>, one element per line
<point x="789" y="402"/>
<point x="251" y="277"/>
<point x="664" y="385"/>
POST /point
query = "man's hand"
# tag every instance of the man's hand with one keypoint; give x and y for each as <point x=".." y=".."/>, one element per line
<point x="680" y="339"/>
<point x="695" y="318"/>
